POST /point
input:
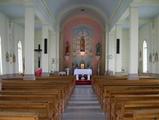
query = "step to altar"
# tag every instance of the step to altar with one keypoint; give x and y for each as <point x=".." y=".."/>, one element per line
<point x="83" y="82"/>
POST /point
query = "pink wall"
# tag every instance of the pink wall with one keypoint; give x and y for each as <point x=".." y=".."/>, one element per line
<point x="71" y="34"/>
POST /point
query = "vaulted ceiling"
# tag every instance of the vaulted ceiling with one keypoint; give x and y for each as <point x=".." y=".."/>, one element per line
<point x="105" y="6"/>
<point x="15" y="9"/>
<point x="108" y="9"/>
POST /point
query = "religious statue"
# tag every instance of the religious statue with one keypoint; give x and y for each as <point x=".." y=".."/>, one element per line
<point x="82" y="44"/>
<point x="150" y="57"/>
<point x="98" y="49"/>
<point x="156" y="57"/>
<point x="14" y="58"/>
<point x="67" y="48"/>
<point x="7" y="57"/>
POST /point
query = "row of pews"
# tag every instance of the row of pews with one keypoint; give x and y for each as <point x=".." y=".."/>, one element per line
<point x="42" y="99"/>
<point x="123" y="99"/>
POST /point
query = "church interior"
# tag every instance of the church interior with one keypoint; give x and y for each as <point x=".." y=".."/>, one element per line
<point x="79" y="59"/>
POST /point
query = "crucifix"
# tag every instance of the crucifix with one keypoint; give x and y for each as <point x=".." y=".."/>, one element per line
<point x="39" y="52"/>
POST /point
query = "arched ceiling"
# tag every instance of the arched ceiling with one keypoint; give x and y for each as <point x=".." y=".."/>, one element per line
<point x="108" y="11"/>
<point x="106" y="6"/>
<point x="82" y="11"/>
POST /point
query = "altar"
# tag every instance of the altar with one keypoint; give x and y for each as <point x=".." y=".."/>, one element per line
<point x="82" y="72"/>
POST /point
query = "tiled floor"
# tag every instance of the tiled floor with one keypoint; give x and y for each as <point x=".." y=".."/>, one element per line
<point x="83" y="105"/>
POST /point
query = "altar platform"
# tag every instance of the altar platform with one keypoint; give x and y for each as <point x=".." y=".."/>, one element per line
<point x="83" y="82"/>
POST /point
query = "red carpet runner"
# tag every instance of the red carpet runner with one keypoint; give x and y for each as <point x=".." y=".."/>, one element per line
<point x="83" y="82"/>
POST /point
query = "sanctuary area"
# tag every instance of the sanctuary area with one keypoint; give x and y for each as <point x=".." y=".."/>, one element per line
<point x="79" y="59"/>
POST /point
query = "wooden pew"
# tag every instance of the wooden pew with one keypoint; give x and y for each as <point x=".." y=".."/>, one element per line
<point x="108" y="90"/>
<point x="38" y="85"/>
<point x="109" y="102"/>
<point x="123" y="106"/>
<point x="52" y="92"/>
<point x="8" y="115"/>
<point x="32" y="91"/>
<point x="114" y="83"/>
<point x="43" y="104"/>
<point x="147" y="114"/>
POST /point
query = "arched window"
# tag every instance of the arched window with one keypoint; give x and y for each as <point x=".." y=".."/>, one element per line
<point x="145" y="57"/>
<point x="20" y="57"/>
<point x="1" y="68"/>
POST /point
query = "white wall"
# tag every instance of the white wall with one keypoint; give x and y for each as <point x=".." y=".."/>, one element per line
<point x="18" y="36"/>
<point x="10" y="33"/>
<point x="52" y="49"/>
<point x="150" y="33"/>
<point x="3" y="34"/>
<point x="118" y="61"/>
<point x="112" y="52"/>
<point x="125" y="50"/>
<point x="38" y="39"/>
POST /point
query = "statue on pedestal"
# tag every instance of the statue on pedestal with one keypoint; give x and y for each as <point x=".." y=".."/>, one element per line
<point x="98" y="49"/>
<point x="67" y="49"/>
<point x="82" y="44"/>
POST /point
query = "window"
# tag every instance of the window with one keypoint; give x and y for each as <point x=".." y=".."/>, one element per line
<point x="145" y="57"/>
<point x="20" y="57"/>
<point x="1" y="68"/>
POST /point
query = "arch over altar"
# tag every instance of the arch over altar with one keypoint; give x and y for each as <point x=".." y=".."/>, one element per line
<point x="82" y="38"/>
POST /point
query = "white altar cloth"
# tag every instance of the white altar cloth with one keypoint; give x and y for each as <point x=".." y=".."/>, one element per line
<point x="87" y="72"/>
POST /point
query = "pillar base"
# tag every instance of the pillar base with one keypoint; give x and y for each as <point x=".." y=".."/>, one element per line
<point x="29" y="77"/>
<point x="133" y="77"/>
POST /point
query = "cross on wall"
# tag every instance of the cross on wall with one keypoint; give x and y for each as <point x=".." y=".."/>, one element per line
<point x="39" y="50"/>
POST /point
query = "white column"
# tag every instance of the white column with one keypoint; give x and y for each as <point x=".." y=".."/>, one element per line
<point x="45" y="61"/>
<point x="118" y="60"/>
<point x="29" y="43"/>
<point x="57" y="49"/>
<point x="53" y="51"/>
<point x="107" y="49"/>
<point x="134" y="31"/>
<point x="111" y="56"/>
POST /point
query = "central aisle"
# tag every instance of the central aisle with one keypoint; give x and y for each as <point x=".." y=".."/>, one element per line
<point x="83" y="105"/>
